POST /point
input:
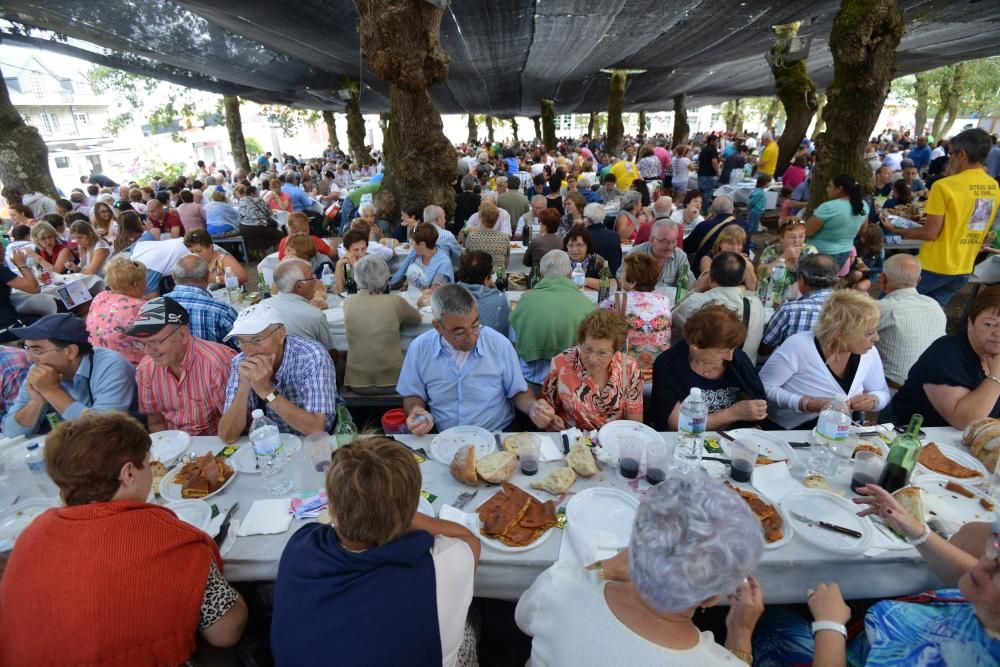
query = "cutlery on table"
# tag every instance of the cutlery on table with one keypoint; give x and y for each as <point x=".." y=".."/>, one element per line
<point x="726" y="436"/>
<point x="565" y="441"/>
<point x="728" y="462"/>
<point x="828" y="526"/>
<point x="463" y="499"/>
<point x="800" y="445"/>
<point x="496" y="436"/>
<point x="224" y="528"/>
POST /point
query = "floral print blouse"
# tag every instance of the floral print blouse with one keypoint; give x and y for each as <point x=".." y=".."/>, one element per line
<point x="111" y="314"/>
<point x="572" y="392"/>
<point x="648" y="317"/>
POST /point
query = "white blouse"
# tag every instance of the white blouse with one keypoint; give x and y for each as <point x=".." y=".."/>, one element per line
<point x="454" y="569"/>
<point x="796" y="370"/>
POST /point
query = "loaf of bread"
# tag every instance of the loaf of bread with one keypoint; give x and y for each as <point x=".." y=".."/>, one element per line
<point x="497" y="467"/>
<point x="581" y="460"/>
<point x="556" y="482"/>
<point x="463" y="466"/>
<point x="982" y="437"/>
<point x="911" y="498"/>
<point x="513" y="442"/>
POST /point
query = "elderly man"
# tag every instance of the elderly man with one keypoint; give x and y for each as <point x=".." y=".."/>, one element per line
<point x="725" y="286"/>
<point x="606" y="242"/>
<point x="296" y="284"/>
<point x="291" y="379"/>
<point x="160" y="221"/>
<point x="909" y="321"/>
<point x="662" y="246"/>
<point x="546" y="318"/>
<point x="503" y="224"/>
<point x="701" y="238"/>
<point x="768" y="160"/>
<point x="817" y="274"/>
<point x="67" y="376"/>
<point x="181" y="379"/>
<point x="538" y="204"/>
<point x="210" y="318"/>
<point x="446" y="241"/>
<point x="513" y="200"/>
<point x="463" y="373"/>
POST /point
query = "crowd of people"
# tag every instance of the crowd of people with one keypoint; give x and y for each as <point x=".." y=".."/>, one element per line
<point x="770" y="335"/>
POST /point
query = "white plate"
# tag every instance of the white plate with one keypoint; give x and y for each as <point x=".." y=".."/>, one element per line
<point x="170" y="491"/>
<point x="424" y="507"/>
<point x="168" y="445"/>
<point x="17" y="517"/>
<point x="787" y="529"/>
<point x="768" y="444"/>
<point x="611" y="433"/>
<point x="953" y="509"/>
<point x="824" y="506"/>
<point x="244" y="460"/>
<point x="446" y="443"/>
<point x="291" y="443"/>
<point x="194" y="511"/>
<point x="600" y="514"/>
<point x="497" y="545"/>
<point x="958" y="456"/>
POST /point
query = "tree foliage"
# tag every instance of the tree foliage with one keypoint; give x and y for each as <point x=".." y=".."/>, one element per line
<point x="978" y="91"/>
<point x="289" y="120"/>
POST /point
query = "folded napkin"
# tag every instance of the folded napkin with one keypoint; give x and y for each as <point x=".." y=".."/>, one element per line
<point x="308" y="505"/>
<point x="883" y="539"/>
<point x="550" y="451"/>
<point x="774" y="481"/>
<point x="267" y="517"/>
<point x="468" y="519"/>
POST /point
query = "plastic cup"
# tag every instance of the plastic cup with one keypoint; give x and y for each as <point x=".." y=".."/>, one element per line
<point x="629" y="457"/>
<point x="318" y="446"/>
<point x="658" y="458"/>
<point x="867" y="468"/>
<point x="394" y="422"/>
<point x="528" y="452"/>
<point x="744" y="457"/>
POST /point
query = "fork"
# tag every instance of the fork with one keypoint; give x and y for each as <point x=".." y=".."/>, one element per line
<point x="463" y="499"/>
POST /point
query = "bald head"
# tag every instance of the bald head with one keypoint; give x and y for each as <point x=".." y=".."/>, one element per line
<point x="663" y="207"/>
<point x="191" y="270"/>
<point x="901" y="271"/>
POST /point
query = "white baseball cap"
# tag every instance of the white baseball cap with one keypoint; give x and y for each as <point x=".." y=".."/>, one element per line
<point x="253" y="320"/>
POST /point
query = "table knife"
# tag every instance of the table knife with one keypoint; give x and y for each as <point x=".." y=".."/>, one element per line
<point x="496" y="436"/>
<point x="224" y="528"/>
<point x="565" y="439"/>
<point x="828" y="526"/>
<point x="800" y="445"/>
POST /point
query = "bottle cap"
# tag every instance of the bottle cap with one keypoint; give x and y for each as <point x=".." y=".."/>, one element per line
<point x="696" y="391"/>
<point x="257" y="413"/>
<point x="32" y="446"/>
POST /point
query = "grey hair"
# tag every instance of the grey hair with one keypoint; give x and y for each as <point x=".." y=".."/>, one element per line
<point x="663" y="205"/>
<point x="489" y="194"/>
<point x="365" y="207"/>
<point x="692" y="539"/>
<point x="290" y="271"/>
<point x="451" y="298"/>
<point x="594" y="212"/>
<point x="540" y="198"/>
<point x="629" y="199"/>
<point x="191" y="267"/>
<point x="766" y="135"/>
<point x="469" y="181"/>
<point x="722" y="204"/>
<point x="556" y="263"/>
<point x="817" y="271"/>
<point x="501" y="180"/>
<point x="662" y="223"/>
<point x="902" y="269"/>
<point x="372" y="274"/>
<point x="432" y="213"/>
<point x="583" y="182"/>
<point x="975" y="142"/>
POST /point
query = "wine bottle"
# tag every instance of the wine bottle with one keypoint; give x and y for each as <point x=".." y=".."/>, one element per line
<point x="902" y="457"/>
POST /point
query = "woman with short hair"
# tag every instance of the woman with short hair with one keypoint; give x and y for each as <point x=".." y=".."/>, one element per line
<point x="475" y="273"/>
<point x="579" y="245"/>
<point x="52" y="254"/>
<point x="838" y="356"/>
<point x="113" y="311"/>
<point x="639" y="608"/>
<point x="790" y="246"/>
<point x="434" y="263"/>
<point x="549" y="239"/>
<point x="221" y="217"/>
<point x="199" y="242"/>
<point x="627" y="222"/>
<point x="356" y="247"/>
<point x="380" y="569"/>
<point x="257" y="227"/>
<point x="192" y="214"/>
<point x="494" y="243"/>
<point x="573" y="204"/>
<point x="75" y="568"/>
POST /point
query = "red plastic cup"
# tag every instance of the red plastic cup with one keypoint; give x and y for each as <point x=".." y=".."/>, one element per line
<point x="394" y="422"/>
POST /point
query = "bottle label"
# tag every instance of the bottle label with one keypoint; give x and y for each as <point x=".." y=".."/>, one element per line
<point x="690" y="424"/>
<point x="266" y="445"/>
<point x="833" y="430"/>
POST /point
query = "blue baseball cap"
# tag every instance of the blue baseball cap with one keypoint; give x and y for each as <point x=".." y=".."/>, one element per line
<point x="58" y="326"/>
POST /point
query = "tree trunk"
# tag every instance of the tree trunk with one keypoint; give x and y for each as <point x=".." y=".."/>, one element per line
<point x="863" y="43"/>
<point x="921" y="89"/>
<point x="473" y="130"/>
<point x="401" y="41"/>
<point x="592" y="124"/>
<point x="616" y="104"/>
<point x="489" y="129"/>
<point x="954" y="98"/>
<point x="733" y="115"/>
<point x="820" y="123"/>
<point x="536" y="121"/>
<point x="548" y="124"/>
<point x="234" y="123"/>
<point x="331" y="129"/>
<point x="642" y="123"/>
<point x="681" y="128"/>
<point x="24" y="158"/>
<point x="771" y="115"/>
<point x="356" y="125"/>
<point x="514" y="128"/>
<point x="797" y="93"/>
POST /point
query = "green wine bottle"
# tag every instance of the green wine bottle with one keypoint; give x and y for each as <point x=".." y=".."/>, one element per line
<point x="902" y="457"/>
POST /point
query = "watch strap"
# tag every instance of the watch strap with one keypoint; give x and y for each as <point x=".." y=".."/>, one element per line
<point x="271" y="398"/>
<point x="829" y="625"/>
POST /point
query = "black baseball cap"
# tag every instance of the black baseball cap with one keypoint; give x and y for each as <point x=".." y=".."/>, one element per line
<point x="156" y="314"/>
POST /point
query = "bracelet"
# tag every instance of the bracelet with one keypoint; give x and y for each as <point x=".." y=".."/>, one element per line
<point x="994" y="378"/>
<point x="818" y="626"/>
<point x="923" y="537"/>
<point x="743" y="655"/>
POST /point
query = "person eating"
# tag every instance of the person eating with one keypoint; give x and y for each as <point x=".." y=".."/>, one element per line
<point x="435" y="265"/>
<point x="93" y="251"/>
<point x="662" y="247"/>
<point x="199" y="242"/>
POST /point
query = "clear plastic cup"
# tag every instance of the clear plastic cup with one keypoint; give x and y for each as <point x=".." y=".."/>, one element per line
<point x="867" y="468"/>
<point x="743" y="454"/>
<point x="629" y="457"/>
<point x="319" y="447"/>
<point x="822" y="460"/>
<point x="528" y="452"/>
<point x="658" y="458"/>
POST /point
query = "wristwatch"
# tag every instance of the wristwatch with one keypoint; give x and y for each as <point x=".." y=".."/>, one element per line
<point x="829" y="625"/>
<point x="272" y="397"/>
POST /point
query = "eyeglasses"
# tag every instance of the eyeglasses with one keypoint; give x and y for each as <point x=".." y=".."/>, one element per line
<point x="254" y="342"/>
<point x="155" y="344"/>
<point x="595" y="354"/>
<point x="462" y="332"/>
<point x="34" y="351"/>
<point x="305" y="280"/>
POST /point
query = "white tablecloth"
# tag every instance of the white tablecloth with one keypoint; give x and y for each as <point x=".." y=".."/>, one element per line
<point x="47" y="301"/>
<point x="740" y="193"/>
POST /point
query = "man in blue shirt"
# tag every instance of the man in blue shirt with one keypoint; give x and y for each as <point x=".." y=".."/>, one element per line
<point x="993" y="159"/>
<point x="466" y="374"/>
<point x="211" y="319"/>
<point x="67" y="376"/>
<point x="920" y="154"/>
<point x="300" y="200"/>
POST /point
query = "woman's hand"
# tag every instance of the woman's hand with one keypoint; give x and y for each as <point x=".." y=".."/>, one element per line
<point x="863" y="402"/>
<point x="616" y="568"/>
<point x="751" y="410"/>
<point x="813" y="404"/>
<point x="745" y="606"/>
<point x="827" y="604"/>
<point x="882" y="503"/>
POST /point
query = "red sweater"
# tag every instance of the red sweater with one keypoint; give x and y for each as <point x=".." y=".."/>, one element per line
<point x="110" y="584"/>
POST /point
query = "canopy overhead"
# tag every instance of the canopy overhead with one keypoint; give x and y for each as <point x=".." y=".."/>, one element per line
<point x="505" y="54"/>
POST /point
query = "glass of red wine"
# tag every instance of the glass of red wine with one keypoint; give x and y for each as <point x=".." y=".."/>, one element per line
<point x="743" y="454"/>
<point x="867" y="469"/>
<point x="657" y="461"/>
<point x="629" y="456"/>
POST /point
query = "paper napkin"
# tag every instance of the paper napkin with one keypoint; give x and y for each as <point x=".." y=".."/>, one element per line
<point x="774" y="481"/>
<point x="468" y="519"/>
<point x="267" y="517"/>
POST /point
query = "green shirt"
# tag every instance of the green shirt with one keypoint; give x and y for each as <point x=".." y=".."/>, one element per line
<point x="840" y="226"/>
<point x="547" y="317"/>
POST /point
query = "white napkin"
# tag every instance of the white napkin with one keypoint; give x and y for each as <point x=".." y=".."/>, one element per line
<point x="774" y="481"/>
<point x="593" y="545"/>
<point x="468" y="519"/>
<point x="883" y="540"/>
<point x="267" y="517"/>
<point x="550" y="451"/>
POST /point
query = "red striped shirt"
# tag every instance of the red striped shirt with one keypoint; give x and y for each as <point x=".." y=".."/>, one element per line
<point x="194" y="402"/>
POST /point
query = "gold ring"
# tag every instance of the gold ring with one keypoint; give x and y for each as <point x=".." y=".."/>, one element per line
<point x="600" y="573"/>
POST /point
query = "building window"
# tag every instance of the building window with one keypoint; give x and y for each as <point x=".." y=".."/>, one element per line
<point x="49" y="123"/>
<point x="37" y="87"/>
<point x="62" y="163"/>
<point x="82" y="118"/>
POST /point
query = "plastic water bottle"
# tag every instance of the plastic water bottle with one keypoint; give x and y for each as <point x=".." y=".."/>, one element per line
<point x="830" y="443"/>
<point x="578" y="275"/>
<point x="271" y="459"/>
<point x="35" y="459"/>
<point x="691" y="430"/>
<point x="232" y="284"/>
<point x="776" y="288"/>
<point x="327" y="277"/>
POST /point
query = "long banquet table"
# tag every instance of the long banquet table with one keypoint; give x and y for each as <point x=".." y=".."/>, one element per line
<point x="785" y="573"/>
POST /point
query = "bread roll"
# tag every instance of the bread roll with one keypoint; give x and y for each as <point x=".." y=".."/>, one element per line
<point x="497" y="467"/>
<point x="463" y="466"/>
<point x="911" y="498"/>
<point x="556" y="482"/>
<point x="982" y="437"/>
<point x="513" y="443"/>
<point x="581" y="460"/>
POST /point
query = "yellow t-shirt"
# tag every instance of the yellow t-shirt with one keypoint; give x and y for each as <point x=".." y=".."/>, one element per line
<point x="625" y="172"/>
<point x="968" y="201"/>
<point x="768" y="160"/>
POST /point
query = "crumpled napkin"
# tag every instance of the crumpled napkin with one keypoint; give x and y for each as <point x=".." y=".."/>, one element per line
<point x="267" y="517"/>
<point x="308" y="505"/>
<point x="550" y="450"/>
<point x="468" y="519"/>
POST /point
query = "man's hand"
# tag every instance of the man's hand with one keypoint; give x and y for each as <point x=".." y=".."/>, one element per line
<point x="419" y="421"/>
<point x="541" y="413"/>
<point x="257" y="370"/>
<point x="43" y="378"/>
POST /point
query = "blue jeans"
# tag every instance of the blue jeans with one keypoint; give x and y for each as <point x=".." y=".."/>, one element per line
<point x="707" y="186"/>
<point x="939" y="286"/>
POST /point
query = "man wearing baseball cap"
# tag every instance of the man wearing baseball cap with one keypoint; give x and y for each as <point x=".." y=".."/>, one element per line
<point x="291" y="378"/>
<point x="68" y="375"/>
<point x="182" y="379"/>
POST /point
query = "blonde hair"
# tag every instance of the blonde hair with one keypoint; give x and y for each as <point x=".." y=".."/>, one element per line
<point x="489" y="214"/>
<point x="43" y="229"/>
<point x="847" y="315"/>
<point x="734" y="234"/>
<point x="121" y="273"/>
<point x="603" y="324"/>
<point x="302" y="245"/>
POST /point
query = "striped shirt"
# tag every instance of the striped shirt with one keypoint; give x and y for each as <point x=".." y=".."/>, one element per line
<point x="211" y="319"/>
<point x="14" y="367"/>
<point x="193" y="402"/>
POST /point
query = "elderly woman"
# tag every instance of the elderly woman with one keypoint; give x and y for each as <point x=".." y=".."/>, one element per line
<point x="689" y="216"/>
<point x="113" y="310"/>
<point x="573" y="203"/>
<point x="298" y="223"/>
<point x="836" y="222"/>
<point x="494" y="243"/>
<point x="199" y="242"/>
<point x="710" y="359"/>
<point x="380" y="566"/>
<point x="356" y="246"/>
<point x="627" y="222"/>
<point x="838" y="357"/>
<point x="92" y="250"/>
<point x="52" y="254"/>
<point x="302" y="247"/>
<point x="373" y="321"/>
<point x="475" y="273"/>
<point x="649" y="165"/>
<point x="276" y="198"/>
<point x="192" y="214"/>
<point x="647" y="312"/>
<point x="952" y="384"/>
<point x="75" y="566"/>
<point x="434" y="263"/>
<point x="593" y="383"/>
<point x="257" y="227"/>
<point x="221" y="217"/>
<point x="548" y="240"/>
<point x="790" y="246"/>
<point x="579" y="245"/>
<point x="639" y="608"/>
